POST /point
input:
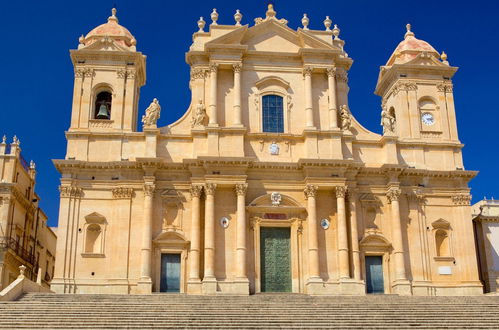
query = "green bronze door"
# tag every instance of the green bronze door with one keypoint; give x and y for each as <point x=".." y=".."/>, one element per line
<point x="275" y="259"/>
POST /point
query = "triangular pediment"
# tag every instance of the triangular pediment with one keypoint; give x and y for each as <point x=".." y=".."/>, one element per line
<point x="270" y="36"/>
<point x="231" y="38"/>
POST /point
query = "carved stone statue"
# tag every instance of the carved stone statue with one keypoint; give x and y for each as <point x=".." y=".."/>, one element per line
<point x="387" y="121"/>
<point x="345" y="117"/>
<point x="198" y="115"/>
<point x="152" y="114"/>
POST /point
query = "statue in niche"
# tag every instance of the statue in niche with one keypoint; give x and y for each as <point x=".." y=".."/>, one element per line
<point x="345" y="117"/>
<point x="199" y="114"/>
<point x="387" y="121"/>
<point x="152" y="114"/>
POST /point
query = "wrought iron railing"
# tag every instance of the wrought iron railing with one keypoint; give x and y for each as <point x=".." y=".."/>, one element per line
<point x="10" y="243"/>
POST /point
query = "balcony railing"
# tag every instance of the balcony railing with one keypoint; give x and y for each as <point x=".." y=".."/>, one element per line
<point x="10" y="243"/>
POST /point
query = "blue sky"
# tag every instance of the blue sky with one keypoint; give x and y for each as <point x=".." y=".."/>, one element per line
<point x="37" y="74"/>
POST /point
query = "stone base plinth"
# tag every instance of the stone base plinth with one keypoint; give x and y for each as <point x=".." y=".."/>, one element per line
<point x="402" y="287"/>
<point x="352" y="287"/>
<point x="194" y="286"/>
<point x="240" y="287"/>
<point x="209" y="286"/>
<point x="144" y="287"/>
<point x="315" y="286"/>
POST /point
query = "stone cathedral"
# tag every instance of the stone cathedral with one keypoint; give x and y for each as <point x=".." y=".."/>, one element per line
<point x="267" y="183"/>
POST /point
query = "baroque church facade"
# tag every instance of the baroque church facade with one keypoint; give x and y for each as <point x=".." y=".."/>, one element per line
<point x="267" y="183"/>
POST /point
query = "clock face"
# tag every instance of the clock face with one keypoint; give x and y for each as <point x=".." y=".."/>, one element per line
<point x="427" y="119"/>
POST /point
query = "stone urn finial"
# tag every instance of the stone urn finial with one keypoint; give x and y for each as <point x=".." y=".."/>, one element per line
<point x="304" y="21"/>
<point x="214" y="16"/>
<point x="327" y="23"/>
<point x="409" y="33"/>
<point x="336" y="32"/>
<point x="201" y="24"/>
<point x="238" y="17"/>
<point x="443" y="57"/>
<point x="22" y="269"/>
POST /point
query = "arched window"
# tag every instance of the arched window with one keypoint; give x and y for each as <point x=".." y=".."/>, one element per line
<point x="103" y="105"/>
<point x="272" y="114"/>
<point x="93" y="239"/>
<point x="442" y="243"/>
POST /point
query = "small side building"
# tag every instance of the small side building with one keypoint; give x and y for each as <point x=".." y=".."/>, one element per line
<point x="486" y="225"/>
<point x="25" y="238"/>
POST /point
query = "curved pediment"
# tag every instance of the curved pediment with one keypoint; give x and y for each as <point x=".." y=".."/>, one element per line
<point x="441" y="224"/>
<point x="374" y="240"/>
<point x="274" y="199"/>
<point x="171" y="237"/>
<point x="272" y="81"/>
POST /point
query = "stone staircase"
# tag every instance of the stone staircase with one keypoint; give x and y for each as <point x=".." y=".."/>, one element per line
<point x="263" y="311"/>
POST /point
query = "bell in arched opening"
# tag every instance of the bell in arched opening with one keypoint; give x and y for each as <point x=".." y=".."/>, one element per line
<point x="103" y="105"/>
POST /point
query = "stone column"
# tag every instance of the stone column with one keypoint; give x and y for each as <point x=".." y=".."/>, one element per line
<point x="393" y="195"/>
<point x="194" y="252"/>
<point x="209" y="233"/>
<point x="309" y="114"/>
<point x="313" y="249"/>
<point x="342" y="233"/>
<point x="331" y="83"/>
<point x="354" y="236"/>
<point x="237" y="94"/>
<point x="146" y="252"/>
<point x="213" y="95"/>
<point x="241" y="231"/>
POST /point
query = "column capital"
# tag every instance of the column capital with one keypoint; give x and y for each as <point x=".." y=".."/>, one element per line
<point x="122" y="192"/>
<point x="340" y="191"/>
<point x="307" y="70"/>
<point x="237" y="67"/>
<point x="70" y="191"/>
<point x="241" y="189"/>
<point x="331" y="71"/>
<point x="149" y="189"/>
<point x="461" y="199"/>
<point x="198" y="73"/>
<point x="210" y="188"/>
<point x="310" y="191"/>
<point x="213" y="67"/>
<point x="341" y="76"/>
<point x="393" y="194"/>
<point x="196" y="190"/>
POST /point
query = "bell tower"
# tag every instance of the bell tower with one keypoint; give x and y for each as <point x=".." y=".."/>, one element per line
<point x="108" y="75"/>
<point x="416" y="89"/>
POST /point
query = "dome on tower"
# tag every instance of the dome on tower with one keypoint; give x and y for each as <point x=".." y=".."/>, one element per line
<point x="410" y="48"/>
<point x="119" y="34"/>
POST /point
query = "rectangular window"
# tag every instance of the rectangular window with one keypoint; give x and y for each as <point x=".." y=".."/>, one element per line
<point x="272" y="114"/>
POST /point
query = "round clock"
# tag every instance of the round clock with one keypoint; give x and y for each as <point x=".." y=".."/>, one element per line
<point x="427" y="119"/>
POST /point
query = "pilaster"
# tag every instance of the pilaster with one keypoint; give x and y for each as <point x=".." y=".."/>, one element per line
<point x="194" y="282"/>
<point x="209" y="280"/>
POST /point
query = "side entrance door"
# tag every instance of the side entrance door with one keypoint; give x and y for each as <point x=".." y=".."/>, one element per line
<point x="374" y="274"/>
<point x="275" y="259"/>
<point x="170" y="273"/>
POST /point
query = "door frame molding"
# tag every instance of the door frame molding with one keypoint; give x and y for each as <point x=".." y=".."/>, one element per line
<point x="170" y="242"/>
<point x="375" y="243"/>
<point x="296" y="228"/>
